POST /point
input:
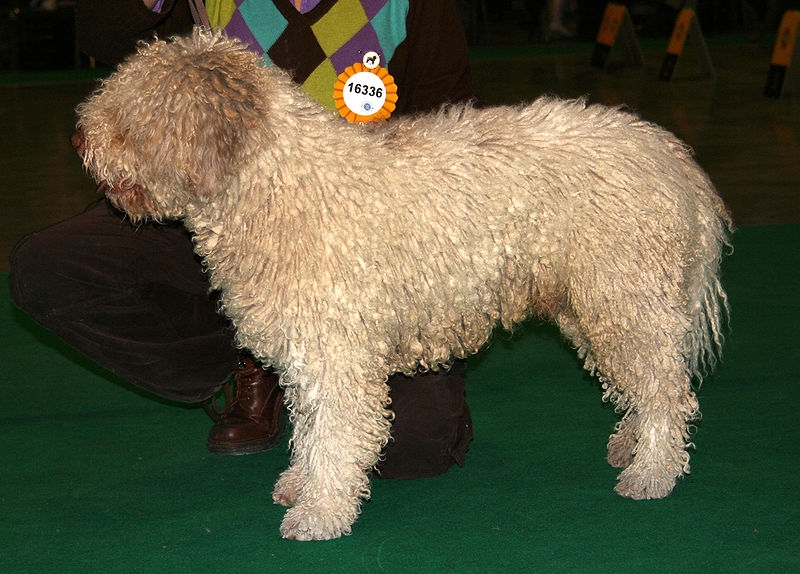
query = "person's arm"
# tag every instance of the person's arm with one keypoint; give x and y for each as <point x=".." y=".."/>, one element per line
<point x="109" y="31"/>
<point x="431" y="67"/>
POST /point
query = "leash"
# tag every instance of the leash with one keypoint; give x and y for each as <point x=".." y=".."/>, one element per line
<point x="199" y="14"/>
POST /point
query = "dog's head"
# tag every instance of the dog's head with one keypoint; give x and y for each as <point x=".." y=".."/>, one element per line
<point x="169" y="127"/>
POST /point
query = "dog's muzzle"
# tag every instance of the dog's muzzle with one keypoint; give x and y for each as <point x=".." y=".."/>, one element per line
<point x="79" y="142"/>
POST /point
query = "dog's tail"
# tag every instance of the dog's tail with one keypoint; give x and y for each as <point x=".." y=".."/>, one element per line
<point x="708" y="306"/>
<point x="708" y="329"/>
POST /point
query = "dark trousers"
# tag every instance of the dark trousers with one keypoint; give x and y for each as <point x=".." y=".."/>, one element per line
<point x="135" y="300"/>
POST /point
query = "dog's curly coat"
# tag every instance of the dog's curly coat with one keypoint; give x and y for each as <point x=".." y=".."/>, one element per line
<point x="345" y="253"/>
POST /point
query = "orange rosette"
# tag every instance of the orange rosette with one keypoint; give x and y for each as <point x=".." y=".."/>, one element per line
<point x="375" y="104"/>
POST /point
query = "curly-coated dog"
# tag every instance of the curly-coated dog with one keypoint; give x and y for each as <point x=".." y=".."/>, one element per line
<point x="344" y="253"/>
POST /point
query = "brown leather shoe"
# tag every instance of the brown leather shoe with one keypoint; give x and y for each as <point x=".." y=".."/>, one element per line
<point x="254" y="421"/>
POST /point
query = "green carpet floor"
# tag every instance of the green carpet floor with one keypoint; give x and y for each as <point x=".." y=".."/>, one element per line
<point x="96" y="477"/>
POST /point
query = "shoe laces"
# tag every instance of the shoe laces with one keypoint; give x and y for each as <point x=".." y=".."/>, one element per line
<point x="236" y="389"/>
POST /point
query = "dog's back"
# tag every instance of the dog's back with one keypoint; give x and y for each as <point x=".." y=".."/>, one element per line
<point x="507" y="209"/>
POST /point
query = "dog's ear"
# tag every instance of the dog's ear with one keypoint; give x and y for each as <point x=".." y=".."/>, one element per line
<point x="217" y="112"/>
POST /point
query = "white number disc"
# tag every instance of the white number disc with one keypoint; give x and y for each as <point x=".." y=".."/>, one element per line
<point x="364" y="93"/>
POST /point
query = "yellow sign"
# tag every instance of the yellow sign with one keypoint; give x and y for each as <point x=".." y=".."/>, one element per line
<point x="612" y="22"/>
<point x="787" y="36"/>
<point x="680" y="31"/>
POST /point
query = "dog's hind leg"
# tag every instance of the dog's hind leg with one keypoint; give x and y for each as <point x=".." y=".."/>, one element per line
<point x="341" y="424"/>
<point x="634" y="341"/>
<point x="651" y="440"/>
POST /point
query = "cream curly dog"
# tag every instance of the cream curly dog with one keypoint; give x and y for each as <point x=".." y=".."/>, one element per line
<point x="344" y="253"/>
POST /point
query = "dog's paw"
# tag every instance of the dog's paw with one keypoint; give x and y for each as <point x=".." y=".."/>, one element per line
<point x="305" y="524"/>
<point x="620" y="450"/>
<point x="288" y="487"/>
<point x="638" y="485"/>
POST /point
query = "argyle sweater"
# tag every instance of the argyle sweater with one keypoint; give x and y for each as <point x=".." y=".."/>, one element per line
<point x="422" y="40"/>
<point x="317" y="46"/>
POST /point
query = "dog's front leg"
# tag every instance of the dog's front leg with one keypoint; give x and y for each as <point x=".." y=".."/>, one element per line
<point x="340" y="426"/>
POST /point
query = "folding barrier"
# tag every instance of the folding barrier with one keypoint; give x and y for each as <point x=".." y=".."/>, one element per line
<point x="783" y="78"/>
<point x="616" y="35"/>
<point x="686" y="44"/>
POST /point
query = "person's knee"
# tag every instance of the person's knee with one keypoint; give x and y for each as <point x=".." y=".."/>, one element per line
<point x="31" y="271"/>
